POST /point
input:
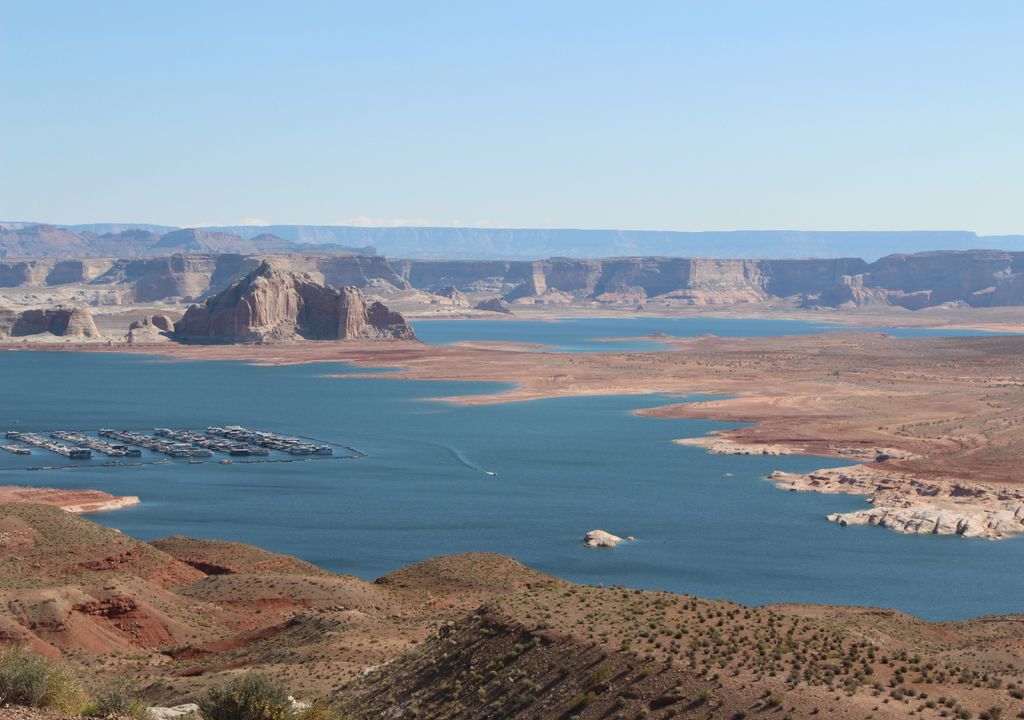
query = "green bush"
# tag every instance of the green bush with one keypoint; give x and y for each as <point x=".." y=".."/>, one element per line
<point x="28" y="679"/>
<point x="252" y="697"/>
<point x="119" y="698"/>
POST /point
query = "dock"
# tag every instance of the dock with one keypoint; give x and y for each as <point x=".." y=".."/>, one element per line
<point x="68" y="451"/>
<point x="156" y="444"/>
<point x="77" y="438"/>
<point x="269" y="440"/>
<point x="16" y="449"/>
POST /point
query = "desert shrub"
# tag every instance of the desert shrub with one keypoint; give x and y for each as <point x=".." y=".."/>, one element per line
<point x="120" y="698"/>
<point x="28" y="679"/>
<point x="252" y="697"/>
<point x="318" y="710"/>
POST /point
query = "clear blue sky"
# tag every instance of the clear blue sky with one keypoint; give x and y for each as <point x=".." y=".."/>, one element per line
<point x="649" y="115"/>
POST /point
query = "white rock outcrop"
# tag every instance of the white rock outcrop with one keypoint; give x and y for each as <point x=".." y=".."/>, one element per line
<point x="905" y="504"/>
<point x="600" y="538"/>
<point x="168" y="713"/>
<point x="918" y="519"/>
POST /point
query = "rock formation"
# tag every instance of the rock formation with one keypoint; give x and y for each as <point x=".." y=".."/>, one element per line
<point x="905" y="504"/>
<point x="152" y="328"/>
<point x="454" y="296"/>
<point x="600" y="538"/>
<point x="270" y="304"/>
<point x="494" y="305"/>
<point x="979" y="278"/>
<point x="66" y="322"/>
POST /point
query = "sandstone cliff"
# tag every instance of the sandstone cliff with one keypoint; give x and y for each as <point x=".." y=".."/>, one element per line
<point x="74" y="323"/>
<point x="979" y="278"/>
<point x="270" y="304"/>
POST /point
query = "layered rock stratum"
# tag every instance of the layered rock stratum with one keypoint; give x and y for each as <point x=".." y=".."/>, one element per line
<point x="976" y="278"/>
<point x="272" y="305"/>
<point x="62" y="322"/>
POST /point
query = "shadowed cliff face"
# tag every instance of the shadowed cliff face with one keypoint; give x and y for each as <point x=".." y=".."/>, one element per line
<point x="61" y="321"/>
<point x="270" y="304"/>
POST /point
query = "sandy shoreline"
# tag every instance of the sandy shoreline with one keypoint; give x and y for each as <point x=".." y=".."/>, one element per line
<point x="77" y="502"/>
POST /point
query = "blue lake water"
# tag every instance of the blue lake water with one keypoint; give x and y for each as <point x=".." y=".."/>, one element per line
<point x="706" y="524"/>
<point x="591" y="334"/>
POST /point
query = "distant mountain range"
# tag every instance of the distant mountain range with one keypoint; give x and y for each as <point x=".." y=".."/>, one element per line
<point x="27" y="240"/>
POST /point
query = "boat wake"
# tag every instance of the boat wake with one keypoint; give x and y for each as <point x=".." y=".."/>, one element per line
<point x="463" y="460"/>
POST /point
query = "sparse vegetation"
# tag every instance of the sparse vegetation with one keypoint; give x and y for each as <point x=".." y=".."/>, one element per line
<point x="28" y="679"/>
<point x="250" y="697"/>
<point x="119" y="698"/>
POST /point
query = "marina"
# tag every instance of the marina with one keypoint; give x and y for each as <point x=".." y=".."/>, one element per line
<point x="229" y="441"/>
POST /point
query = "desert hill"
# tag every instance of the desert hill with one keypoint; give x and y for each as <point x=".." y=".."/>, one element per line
<point x="475" y="636"/>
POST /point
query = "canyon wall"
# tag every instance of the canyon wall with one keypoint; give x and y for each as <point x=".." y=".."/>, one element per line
<point x="979" y="278"/>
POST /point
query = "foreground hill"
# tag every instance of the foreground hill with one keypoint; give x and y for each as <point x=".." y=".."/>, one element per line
<point x="475" y="636"/>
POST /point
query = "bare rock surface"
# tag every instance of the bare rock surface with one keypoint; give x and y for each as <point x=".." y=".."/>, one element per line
<point x="494" y="305"/>
<point x="152" y="328"/>
<point x="63" y="322"/>
<point x="916" y="507"/>
<point x="272" y="305"/>
<point x="454" y="296"/>
<point x="168" y="713"/>
<point x="600" y="538"/>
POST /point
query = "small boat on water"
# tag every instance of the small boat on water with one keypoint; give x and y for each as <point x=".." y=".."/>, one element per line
<point x="490" y="472"/>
